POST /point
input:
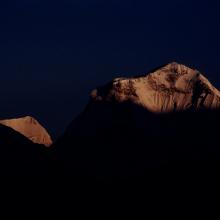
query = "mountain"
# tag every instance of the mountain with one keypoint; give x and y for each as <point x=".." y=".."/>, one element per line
<point x="165" y="120"/>
<point x="174" y="87"/>
<point x="30" y="128"/>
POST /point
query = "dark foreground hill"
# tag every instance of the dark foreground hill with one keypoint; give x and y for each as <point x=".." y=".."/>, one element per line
<point x="19" y="155"/>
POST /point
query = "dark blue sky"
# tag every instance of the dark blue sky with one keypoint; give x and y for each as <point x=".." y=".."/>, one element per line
<point x="52" y="53"/>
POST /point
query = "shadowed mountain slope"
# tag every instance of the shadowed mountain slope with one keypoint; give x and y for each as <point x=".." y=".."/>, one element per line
<point x="167" y="119"/>
<point x="19" y="155"/>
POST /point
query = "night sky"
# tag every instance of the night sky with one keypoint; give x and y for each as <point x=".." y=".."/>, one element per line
<point x="54" y="52"/>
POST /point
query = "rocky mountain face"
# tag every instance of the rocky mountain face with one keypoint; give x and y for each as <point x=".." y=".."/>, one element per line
<point x="173" y="87"/>
<point x="167" y="118"/>
<point x="30" y="128"/>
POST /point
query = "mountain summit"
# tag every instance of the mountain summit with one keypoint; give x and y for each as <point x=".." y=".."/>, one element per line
<point x="173" y="87"/>
<point x="30" y="128"/>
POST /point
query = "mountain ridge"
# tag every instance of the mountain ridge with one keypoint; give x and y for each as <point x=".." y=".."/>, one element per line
<point x="124" y="131"/>
<point x="30" y="128"/>
<point x="171" y="87"/>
